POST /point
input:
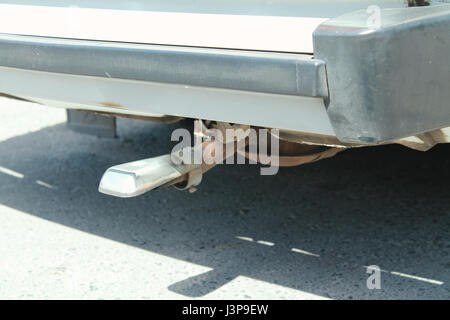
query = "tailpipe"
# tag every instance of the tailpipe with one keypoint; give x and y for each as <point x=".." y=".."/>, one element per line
<point x="135" y="178"/>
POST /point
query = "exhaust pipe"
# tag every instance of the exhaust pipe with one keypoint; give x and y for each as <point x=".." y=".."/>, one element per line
<point x="135" y="178"/>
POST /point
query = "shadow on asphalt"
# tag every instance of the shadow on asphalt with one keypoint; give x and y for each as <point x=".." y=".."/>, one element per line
<point x="387" y="206"/>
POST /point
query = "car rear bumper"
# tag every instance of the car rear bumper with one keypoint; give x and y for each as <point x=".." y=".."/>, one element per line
<point x="363" y="84"/>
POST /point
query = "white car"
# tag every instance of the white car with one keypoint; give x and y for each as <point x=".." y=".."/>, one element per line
<point x="326" y="74"/>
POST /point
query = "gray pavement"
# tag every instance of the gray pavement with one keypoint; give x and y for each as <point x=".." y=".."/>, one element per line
<point x="307" y="233"/>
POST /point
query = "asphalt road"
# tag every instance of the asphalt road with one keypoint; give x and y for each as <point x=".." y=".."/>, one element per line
<point x="307" y="233"/>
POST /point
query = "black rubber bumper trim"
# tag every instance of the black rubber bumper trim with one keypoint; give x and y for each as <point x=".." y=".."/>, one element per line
<point x="276" y="73"/>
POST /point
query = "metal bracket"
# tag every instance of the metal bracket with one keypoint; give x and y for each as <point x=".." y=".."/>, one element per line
<point x="194" y="173"/>
<point x="91" y="123"/>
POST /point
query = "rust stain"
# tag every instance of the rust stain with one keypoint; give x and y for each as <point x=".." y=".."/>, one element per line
<point x="111" y="104"/>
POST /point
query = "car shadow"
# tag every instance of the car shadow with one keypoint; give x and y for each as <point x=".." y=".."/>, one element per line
<point x="313" y="228"/>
